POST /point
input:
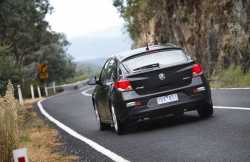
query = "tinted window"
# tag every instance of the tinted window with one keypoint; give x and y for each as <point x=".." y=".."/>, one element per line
<point x="108" y="71"/>
<point x="111" y="69"/>
<point x="163" y="58"/>
<point x="104" y="72"/>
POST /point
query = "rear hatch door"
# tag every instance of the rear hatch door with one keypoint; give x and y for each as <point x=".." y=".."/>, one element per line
<point x="161" y="79"/>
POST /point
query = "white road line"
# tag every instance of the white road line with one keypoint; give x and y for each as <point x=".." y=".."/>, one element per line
<point x="231" y="88"/>
<point x="216" y="107"/>
<point x="73" y="133"/>
<point x="85" y="92"/>
<point x="231" y="108"/>
<point x="95" y="145"/>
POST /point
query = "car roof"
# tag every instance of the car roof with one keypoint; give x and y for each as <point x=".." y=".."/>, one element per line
<point x="124" y="55"/>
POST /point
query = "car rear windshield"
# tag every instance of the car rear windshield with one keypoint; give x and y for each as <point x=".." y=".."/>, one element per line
<point x="161" y="58"/>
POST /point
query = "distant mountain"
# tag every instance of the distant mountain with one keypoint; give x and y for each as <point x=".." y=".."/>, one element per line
<point x="90" y="67"/>
<point x="99" y="45"/>
<point x="91" y="51"/>
<point x="95" y="62"/>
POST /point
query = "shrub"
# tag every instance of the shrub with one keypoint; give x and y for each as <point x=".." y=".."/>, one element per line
<point x="8" y="126"/>
<point x="231" y="77"/>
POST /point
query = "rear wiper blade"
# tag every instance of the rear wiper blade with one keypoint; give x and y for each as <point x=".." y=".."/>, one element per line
<point x="147" y="66"/>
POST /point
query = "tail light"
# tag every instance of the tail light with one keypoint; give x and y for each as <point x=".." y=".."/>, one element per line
<point x="123" y="85"/>
<point x="197" y="70"/>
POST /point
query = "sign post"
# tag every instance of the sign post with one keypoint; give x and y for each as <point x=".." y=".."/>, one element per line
<point x="43" y="76"/>
<point x="20" y="96"/>
<point x="32" y="91"/>
<point x="39" y="91"/>
<point x="46" y="90"/>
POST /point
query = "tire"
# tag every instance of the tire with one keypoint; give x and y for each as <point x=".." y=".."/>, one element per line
<point x="101" y="126"/>
<point x="206" y="110"/>
<point x="118" y="126"/>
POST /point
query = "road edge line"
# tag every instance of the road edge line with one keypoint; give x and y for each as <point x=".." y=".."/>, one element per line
<point x="85" y="92"/>
<point x="231" y="108"/>
<point x="247" y="88"/>
<point x="113" y="156"/>
<point x="216" y="107"/>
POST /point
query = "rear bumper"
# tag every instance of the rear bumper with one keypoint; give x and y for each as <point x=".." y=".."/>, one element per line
<point x="163" y="110"/>
<point x="188" y="101"/>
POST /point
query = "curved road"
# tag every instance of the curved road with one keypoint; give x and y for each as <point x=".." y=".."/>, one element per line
<point x="224" y="137"/>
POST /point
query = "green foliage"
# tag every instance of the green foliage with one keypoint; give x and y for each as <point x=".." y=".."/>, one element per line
<point x="8" y="70"/>
<point x="215" y="34"/>
<point x="30" y="41"/>
<point x="130" y="10"/>
<point x="87" y="70"/>
<point x="76" y="78"/>
<point x="231" y="77"/>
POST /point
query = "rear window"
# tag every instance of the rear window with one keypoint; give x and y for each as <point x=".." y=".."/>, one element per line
<point x="163" y="58"/>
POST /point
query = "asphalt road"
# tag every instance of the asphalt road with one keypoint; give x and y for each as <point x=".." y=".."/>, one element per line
<point x="224" y="137"/>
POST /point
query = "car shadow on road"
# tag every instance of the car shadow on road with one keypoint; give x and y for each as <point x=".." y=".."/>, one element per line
<point x="166" y="122"/>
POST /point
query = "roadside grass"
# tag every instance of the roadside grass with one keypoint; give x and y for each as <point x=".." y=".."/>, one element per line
<point x="40" y="138"/>
<point x="75" y="79"/>
<point x="8" y="130"/>
<point x="8" y="124"/>
<point x="231" y="77"/>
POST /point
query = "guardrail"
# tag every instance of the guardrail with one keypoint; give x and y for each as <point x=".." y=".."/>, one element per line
<point x="77" y="85"/>
<point x="49" y="91"/>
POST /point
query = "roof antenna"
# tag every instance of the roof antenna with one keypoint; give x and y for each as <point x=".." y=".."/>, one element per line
<point x="147" y="46"/>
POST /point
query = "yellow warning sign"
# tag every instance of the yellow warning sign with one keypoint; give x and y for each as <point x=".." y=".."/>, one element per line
<point x="43" y="71"/>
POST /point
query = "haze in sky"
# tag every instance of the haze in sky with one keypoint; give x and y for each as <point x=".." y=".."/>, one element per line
<point x="93" y="27"/>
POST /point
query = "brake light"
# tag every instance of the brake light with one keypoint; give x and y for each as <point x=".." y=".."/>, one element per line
<point x="197" y="69"/>
<point x="123" y="85"/>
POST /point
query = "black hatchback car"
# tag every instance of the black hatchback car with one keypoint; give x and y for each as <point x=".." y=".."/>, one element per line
<point x="149" y="82"/>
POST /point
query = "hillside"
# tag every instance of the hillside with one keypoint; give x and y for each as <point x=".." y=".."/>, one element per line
<point x="90" y="67"/>
<point x="100" y="44"/>
<point x="215" y="32"/>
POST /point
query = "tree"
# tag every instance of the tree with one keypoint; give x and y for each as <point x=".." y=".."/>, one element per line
<point x="30" y="42"/>
<point x="8" y="70"/>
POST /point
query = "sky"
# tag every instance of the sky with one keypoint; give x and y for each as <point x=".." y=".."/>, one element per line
<point x="85" y="21"/>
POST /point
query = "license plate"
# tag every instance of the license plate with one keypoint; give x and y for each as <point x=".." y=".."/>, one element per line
<point x="167" y="99"/>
